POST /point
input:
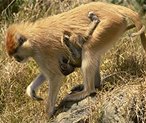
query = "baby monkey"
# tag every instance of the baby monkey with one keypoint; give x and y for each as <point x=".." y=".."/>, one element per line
<point x="74" y="44"/>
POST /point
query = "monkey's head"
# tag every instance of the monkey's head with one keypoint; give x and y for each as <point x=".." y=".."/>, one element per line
<point x="17" y="44"/>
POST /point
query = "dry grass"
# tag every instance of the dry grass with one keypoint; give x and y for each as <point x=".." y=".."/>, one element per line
<point x="124" y="63"/>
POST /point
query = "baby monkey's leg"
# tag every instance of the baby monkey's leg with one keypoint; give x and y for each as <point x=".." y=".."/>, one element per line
<point x="94" y="22"/>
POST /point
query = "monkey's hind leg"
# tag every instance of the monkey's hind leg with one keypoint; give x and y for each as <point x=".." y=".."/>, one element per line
<point x="90" y="70"/>
<point x="97" y="81"/>
<point x="95" y="20"/>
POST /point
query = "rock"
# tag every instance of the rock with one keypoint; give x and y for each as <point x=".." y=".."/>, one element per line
<point x="126" y="104"/>
<point x="78" y="113"/>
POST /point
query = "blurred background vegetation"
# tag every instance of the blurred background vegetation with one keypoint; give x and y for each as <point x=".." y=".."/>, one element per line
<point x="10" y="7"/>
<point x="125" y="63"/>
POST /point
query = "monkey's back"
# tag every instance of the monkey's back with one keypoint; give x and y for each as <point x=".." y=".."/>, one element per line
<point x="48" y="31"/>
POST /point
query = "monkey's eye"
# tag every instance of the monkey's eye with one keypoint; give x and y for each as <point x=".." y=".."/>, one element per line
<point x="21" y="40"/>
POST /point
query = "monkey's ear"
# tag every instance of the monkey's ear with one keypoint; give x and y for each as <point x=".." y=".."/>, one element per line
<point x="20" y="39"/>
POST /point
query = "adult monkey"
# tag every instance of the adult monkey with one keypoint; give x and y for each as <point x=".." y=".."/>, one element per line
<point x="41" y="41"/>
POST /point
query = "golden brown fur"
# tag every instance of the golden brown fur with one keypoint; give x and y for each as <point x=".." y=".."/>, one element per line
<point x="43" y="43"/>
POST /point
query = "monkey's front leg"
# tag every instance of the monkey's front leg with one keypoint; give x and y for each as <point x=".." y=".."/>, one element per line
<point x="55" y="82"/>
<point x="34" y="85"/>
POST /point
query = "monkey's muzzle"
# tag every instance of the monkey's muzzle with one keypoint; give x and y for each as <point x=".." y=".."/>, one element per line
<point x="18" y="58"/>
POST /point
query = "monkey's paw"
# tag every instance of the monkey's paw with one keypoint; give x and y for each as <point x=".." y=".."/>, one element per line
<point x="78" y="96"/>
<point x="31" y="93"/>
<point x="80" y="87"/>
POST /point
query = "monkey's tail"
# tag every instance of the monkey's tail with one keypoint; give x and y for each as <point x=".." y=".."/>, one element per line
<point x="137" y="22"/>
